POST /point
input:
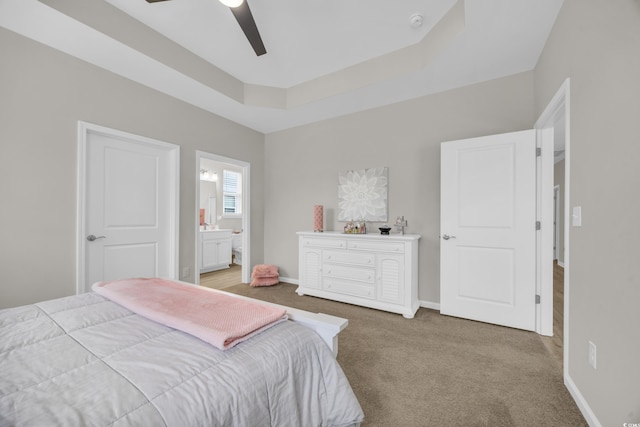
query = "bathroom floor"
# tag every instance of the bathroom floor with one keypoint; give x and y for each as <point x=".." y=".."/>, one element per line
<point x="222" y="278"/>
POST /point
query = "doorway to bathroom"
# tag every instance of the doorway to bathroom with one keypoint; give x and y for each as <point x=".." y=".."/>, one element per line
<point x="222" y="221"/>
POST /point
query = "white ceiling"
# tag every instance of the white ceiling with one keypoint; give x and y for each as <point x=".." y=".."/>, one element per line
<point x="324" y="58"/>
<point x="304" y="39"/>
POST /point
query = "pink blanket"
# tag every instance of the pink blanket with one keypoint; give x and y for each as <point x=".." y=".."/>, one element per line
<point x="216" y="318"/>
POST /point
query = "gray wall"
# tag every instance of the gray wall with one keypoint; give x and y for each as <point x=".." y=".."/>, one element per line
<point x="43" y="94"/>
<point x="597" y="44"/>
<point x="302" y="164"/>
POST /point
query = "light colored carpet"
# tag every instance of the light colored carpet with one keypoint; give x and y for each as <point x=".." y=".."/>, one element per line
<point x="436" y="370"/>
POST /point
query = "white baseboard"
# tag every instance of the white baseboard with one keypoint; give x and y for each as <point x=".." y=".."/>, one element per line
<point x="431" y="305"/>
<point x="289" y="280"/>
<point x="561" y="264"/>
<point x="584" y="407"/>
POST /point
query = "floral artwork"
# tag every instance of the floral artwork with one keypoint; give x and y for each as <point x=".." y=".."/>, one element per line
<point x="362" y="195"/>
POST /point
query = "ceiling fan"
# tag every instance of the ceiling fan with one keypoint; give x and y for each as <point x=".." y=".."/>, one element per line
<point x="242" y="13"/>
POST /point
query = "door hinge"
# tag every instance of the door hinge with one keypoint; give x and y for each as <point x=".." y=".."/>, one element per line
<point x="537" y="299"/>
<point x="538" y="151"/>
<point x="538" y="225"/>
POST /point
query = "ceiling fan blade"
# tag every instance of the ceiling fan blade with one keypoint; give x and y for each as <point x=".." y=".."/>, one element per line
<point x="154" y="1"/>
<point x="245" y="19"/>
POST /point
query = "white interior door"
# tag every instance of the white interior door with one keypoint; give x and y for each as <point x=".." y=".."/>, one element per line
<point x="488" y="214"/>
<point x="129" y="214"/>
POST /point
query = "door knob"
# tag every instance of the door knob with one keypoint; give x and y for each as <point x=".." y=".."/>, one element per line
<point x="91" y="237"/>
<point x="447" y="237"/>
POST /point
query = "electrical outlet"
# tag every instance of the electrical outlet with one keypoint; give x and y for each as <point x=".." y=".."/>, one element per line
<point x="592" y="355"/>
<point x="185" y="272"/>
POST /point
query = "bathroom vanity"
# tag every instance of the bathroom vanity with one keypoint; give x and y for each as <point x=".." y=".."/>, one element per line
<point x="215" y="250"/>
<point x="236" y="248"/>
<point x="372" y="270"/>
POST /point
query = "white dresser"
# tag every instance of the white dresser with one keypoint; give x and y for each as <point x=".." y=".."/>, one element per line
<point x="371" y="270"/>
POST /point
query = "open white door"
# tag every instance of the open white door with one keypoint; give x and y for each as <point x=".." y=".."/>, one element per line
<point x="128" y="206"/>
<point x="488" y="227"/>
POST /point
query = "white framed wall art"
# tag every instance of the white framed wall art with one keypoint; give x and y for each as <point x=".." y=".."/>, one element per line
<point x="362" y="195"/>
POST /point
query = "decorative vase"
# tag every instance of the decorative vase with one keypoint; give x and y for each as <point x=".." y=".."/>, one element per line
<point x="318" y="218"/>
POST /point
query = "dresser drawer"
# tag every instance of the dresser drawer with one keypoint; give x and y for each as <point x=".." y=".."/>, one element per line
<point x="367" y="275"/>
<point x="356" y="258"/>
<point x="350" y="288"/>
<point x="324" y="243"/>
<point x="363" y="245"/>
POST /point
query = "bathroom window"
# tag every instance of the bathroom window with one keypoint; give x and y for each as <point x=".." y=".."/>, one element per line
<point x="232" y="193"/>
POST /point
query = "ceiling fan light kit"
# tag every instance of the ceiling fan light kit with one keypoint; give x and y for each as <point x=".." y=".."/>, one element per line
<point x="231" y="3"/>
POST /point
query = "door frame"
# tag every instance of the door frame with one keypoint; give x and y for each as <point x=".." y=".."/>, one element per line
<point x="84" y="128"/>
<point x="556" y="221"/>
<point x="246" y="212"/>
<point x="558" y="109"/>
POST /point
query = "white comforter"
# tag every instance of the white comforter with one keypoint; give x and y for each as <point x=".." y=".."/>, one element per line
<point x="86" y="361"/>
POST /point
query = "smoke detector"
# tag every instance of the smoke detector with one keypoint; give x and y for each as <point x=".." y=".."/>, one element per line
<point x="415" y="20"/>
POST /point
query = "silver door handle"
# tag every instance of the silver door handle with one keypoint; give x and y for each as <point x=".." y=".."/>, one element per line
<point x="447" y="237"/>
<point x="91" y="237"/>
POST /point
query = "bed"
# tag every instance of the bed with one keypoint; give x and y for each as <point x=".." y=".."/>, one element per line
<point x="86" y="360"/>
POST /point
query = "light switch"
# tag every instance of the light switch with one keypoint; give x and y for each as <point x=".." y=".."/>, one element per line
<point x="576" y="216"/>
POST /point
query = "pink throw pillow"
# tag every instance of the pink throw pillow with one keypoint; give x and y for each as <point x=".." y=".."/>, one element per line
<point x="264" y="281"/>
